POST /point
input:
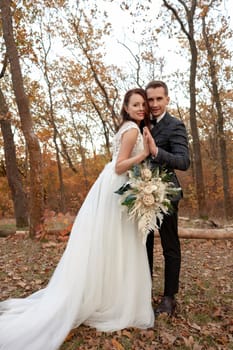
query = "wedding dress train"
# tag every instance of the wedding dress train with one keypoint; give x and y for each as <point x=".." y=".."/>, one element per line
<point x="102" y="279"/>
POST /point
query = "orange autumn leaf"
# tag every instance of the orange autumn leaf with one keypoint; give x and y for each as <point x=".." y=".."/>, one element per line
<point x="117" y="345"/>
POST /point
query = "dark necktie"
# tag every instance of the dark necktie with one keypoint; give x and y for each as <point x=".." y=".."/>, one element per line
<point x="154" y="124"/>
<point x="153" y="121"/>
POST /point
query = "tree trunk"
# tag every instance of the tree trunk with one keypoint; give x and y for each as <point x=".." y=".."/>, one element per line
<point x="198" y="169"/>
<point x="193" y="233"/>
<point x="13" y="176"/>
<point x="220" y="125"/>
<point x="35" y="160"/>
<point x="62" y="205"/>
<point x="79" y="139"/>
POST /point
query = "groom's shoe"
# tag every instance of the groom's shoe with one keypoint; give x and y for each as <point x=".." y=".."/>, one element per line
<point x="167" y="305"/>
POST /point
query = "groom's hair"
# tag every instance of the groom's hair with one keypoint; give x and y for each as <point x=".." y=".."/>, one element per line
<point x="157" y="83"/>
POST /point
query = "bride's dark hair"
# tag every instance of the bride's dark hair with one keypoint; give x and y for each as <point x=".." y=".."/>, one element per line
<point x="125" y="116"/>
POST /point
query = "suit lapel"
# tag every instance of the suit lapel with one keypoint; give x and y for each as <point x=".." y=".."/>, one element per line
<point x="160" y="125"/>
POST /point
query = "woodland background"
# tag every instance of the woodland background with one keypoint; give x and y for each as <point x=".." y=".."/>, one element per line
<point x="61" y="86"/>
<point x="60" y="97"/>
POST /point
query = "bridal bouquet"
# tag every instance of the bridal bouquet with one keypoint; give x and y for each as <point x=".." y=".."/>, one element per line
<point x="147" y="197"/>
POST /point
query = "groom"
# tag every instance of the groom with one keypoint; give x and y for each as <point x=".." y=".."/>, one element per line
<point x="171" y="152"/>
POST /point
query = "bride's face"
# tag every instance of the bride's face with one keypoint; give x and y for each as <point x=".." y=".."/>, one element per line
<point x="136" y="108"/>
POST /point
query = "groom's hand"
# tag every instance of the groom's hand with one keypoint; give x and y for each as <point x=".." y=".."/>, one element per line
<point x="151" y="142"/>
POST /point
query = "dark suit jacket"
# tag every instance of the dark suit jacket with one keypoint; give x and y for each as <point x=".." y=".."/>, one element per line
<point x="172" y="142"/>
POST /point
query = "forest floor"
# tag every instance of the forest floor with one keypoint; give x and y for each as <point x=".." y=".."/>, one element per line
<point x="204" y="317"/>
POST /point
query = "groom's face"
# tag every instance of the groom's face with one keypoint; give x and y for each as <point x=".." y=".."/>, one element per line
<point x="157" y="100"/>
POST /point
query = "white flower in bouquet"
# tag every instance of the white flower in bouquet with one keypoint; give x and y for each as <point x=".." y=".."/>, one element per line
<point x="147" y="197"/>
<point x="146" y="174"/>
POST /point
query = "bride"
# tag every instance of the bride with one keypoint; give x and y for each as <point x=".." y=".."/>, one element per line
<point x="103" y="278"/>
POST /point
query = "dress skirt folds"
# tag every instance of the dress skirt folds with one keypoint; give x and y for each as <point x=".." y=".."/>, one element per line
<point x="102" y="279"/>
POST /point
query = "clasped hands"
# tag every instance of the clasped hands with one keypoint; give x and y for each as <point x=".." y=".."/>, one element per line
<point x="149" y="143"/>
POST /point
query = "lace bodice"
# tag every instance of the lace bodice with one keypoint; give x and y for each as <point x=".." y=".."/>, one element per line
<point x="117" y="140"/>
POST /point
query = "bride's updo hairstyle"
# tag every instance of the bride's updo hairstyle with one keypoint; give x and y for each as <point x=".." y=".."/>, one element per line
<point x="125" y="116"/>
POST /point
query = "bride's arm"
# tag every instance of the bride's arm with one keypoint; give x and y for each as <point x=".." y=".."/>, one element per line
<point x="124" y="160"/>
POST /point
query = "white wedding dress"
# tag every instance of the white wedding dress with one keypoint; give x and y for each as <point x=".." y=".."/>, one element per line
<point x="102" y="279"/>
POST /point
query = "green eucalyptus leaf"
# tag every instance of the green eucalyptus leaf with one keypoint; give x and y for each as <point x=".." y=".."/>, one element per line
<point x="123" y="189"/>
<point x="130" y="199"/>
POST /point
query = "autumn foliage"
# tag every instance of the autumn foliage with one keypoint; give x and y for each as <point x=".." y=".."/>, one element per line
<point x="75" y="92"/>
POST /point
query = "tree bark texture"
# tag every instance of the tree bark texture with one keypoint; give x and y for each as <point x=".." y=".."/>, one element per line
<point x="35" y="160"/>
<point x="197" y="159"/>
<point x="13" y="176"/>
<point x="220" y="125"/>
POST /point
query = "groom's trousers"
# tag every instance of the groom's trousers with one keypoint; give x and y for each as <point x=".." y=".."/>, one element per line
<point x="171" y="251"/>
